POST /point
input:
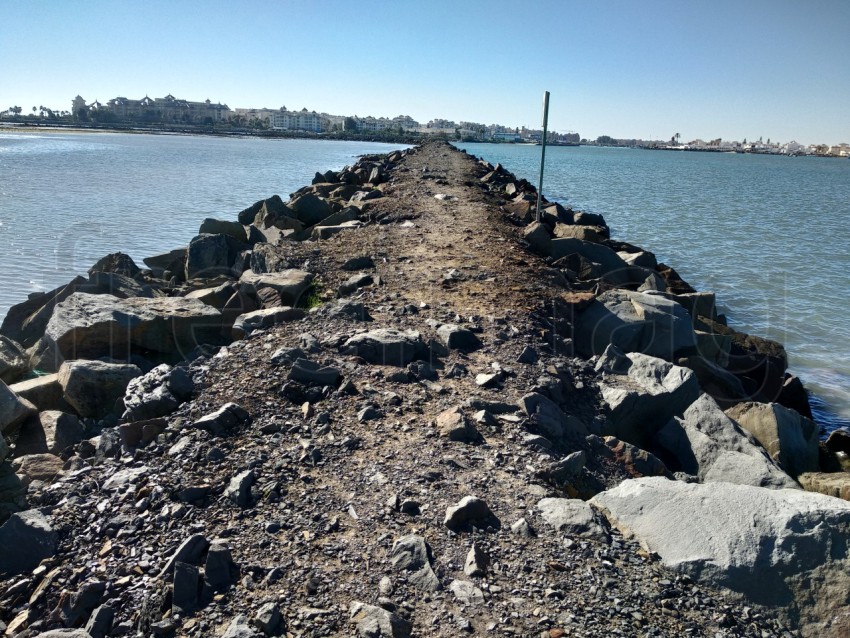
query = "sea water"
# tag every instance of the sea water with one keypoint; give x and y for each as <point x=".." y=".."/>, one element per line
<point x="768" y="234"/>
<point x="67" y="199"/>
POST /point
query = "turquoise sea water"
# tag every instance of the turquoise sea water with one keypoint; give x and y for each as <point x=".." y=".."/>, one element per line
<point x="769" y="235"/>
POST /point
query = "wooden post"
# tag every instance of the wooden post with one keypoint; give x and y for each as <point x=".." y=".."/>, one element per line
<point x="542" y="152"/>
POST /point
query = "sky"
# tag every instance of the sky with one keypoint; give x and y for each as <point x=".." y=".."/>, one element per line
<point x="647" y="69"/>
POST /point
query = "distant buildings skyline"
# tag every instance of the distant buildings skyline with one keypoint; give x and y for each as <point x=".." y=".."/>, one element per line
<point x="170" y="109"/>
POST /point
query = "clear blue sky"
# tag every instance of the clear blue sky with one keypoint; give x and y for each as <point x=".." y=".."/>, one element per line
<point x="713" y="68"/>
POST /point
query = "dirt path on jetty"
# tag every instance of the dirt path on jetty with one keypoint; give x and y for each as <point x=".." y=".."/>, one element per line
<point x="393" y="463"/>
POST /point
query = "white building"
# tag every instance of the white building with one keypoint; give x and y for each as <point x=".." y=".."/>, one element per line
<point x="302" y="120"/>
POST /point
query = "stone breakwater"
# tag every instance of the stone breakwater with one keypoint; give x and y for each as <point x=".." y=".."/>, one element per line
<point x="395" y="405"/>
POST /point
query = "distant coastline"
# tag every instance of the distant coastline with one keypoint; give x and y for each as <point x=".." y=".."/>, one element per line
<point x="26" y="125"/>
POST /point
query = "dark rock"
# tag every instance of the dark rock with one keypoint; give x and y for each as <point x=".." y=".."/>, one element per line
<point x="99" y="624"/>
<point x="352" y="309"/>
<point x="354" y="282"/>
<point x="13" y="360"/>
<point x="290" y="284"/>
<point x="220" y="571"/>
<point x="211" y="226"/>
<point x="157" y="393"/>
<point x="189" y="551"/>
<point x="240" y="627"/>
<point x="386" y="346"/>
<point x="634" y="322"/>
<point x="310" y="209"/>
<point x="173" y="262"/>
<point x="212" y="255"/>
<point x="118" y="263"/>
<point x="93" y="326"/>
<point x="454" y="425"/>
<point x="793" y="395"/>
<point x="184" y="597"/>
<point x="52" y="431"/>
<point x="413" y="555"/>
<point x="369" y="413"/>
<point x="636" y="461"/>
<point x="93" y="387"/>
<point x="456" y="338"/>
<point x="219" y="422"/>
<point x="80" y="605"/>
<point x="470" y="512"/>
<point x="477" y="562"/>
<point x="374" y="622"/>
<point x="239" y="488"/>
<point x="272" y="206"/>
<point x="263" y="319"/>
<point x="32" y="538"/>
<point x="528" y="356"/>
<point x="287" y="356"/>
<point x="25" y="322"/>
<point x="267" y="619"/>
<point x="550" y="419"/>
<point x="309" y="372"/>
<point x="265" y="258"/>
<point x="362" y="262"/>
<point x="13" y="409"/>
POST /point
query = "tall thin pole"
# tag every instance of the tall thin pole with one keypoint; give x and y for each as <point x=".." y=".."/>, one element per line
<point x="543" y="152"/>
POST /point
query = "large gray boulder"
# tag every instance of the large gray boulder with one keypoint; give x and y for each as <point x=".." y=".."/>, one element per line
<point x="44" y="392"/>
<point x="212" y="255"/>
<point x="53" y="431"/>
<point x="212" y="226"/>
<point x="550" y="419"/>
<point x="92" y="388"/>
<point x="13" y="409"/>
<point x="571" y="516"/>
<point x="272" y="204"/>
<point x="310" y="209"/>
<point x="708" y="444"/>
<point x="289" y="284"/>
<point x="13" y="360"/>
<point x="118" y="263"/>
<point x="786" y="549"/>
<point x="157" y="393"/>
<point x="174" y="262"/>
<point x="611" y="265"/>
<point x="634" y="322"/>
<point x="265" y="318"/>
<point x="643" y="393"/>
<point x="387" y="346"/>
<point x="94" y="326"/>
<point x="26" y="539"/>
<point x="375" y="622"/>
<point x="25" y="322"/>
<point x="412" y="554"/>
<point x="789" y="438"/>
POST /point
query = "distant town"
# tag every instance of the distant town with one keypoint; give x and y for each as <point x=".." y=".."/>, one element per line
<point x="175" y="114"/>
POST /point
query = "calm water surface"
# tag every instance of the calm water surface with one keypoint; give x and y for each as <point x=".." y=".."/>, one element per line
<point x="67" y="199"/>
<point x="768" y="234"/>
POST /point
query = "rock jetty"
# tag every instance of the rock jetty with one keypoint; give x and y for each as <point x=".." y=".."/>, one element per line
<point x="396" y="405"/>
